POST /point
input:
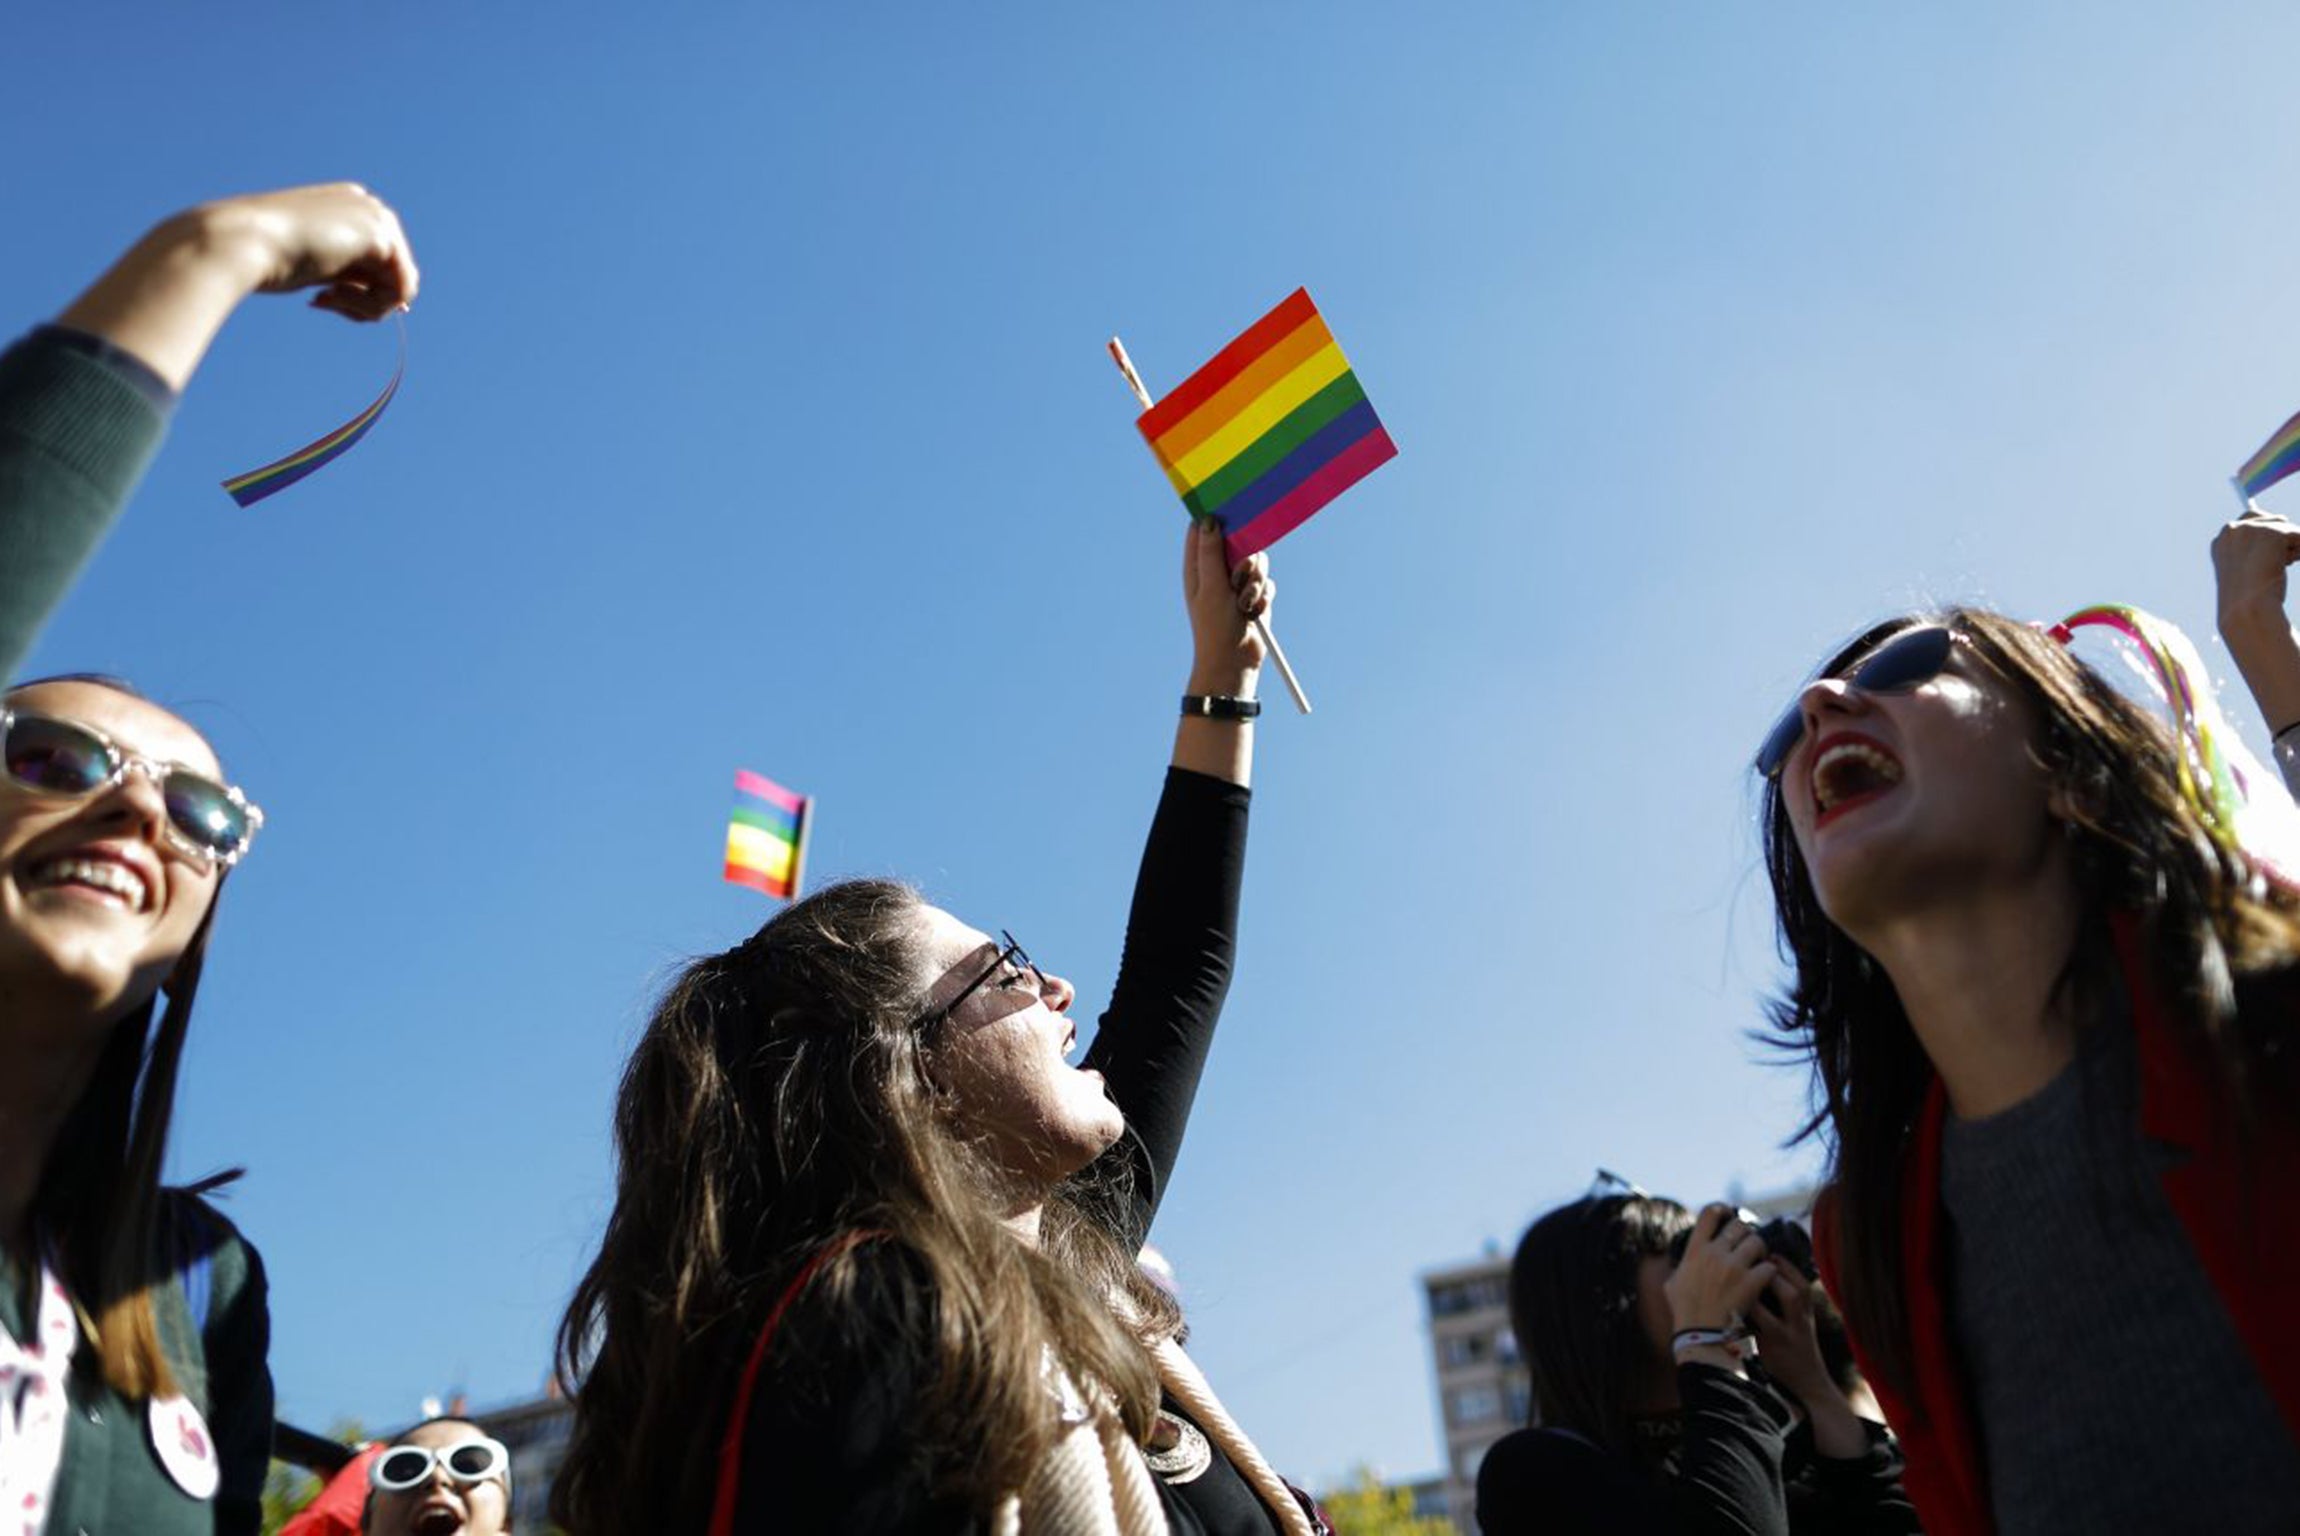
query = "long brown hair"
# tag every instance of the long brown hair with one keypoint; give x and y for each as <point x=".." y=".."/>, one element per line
<point x="99" y="1198"/>
<point x="2207" y="920"/>
<point x="779" y="1099"/>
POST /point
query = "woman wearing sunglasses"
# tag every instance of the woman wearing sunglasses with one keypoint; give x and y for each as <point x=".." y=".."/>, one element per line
<point x="134" y="1395"/>
<point x="1638" y="1321"/>
<point x="2050" y="1003"/>
<point x="871" y="1266"/>
<point x="445" y="1477"/>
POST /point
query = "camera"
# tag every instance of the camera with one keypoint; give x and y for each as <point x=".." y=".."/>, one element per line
<point x="1784" y="1240"/>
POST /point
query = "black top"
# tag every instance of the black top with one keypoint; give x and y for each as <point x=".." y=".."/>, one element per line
<point x="1742" y="1465"/>
<point x="828" y="1445"/>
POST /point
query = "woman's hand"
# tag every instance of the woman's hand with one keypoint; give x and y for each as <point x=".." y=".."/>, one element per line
<point x="1226" y="652"/>
<point x="2249" y="557"/>
<point x="1790" y="1347"/>
<point x="167" y="297"/>
<point x="2249" y="560"/>
<point x="1722" y="1274"/>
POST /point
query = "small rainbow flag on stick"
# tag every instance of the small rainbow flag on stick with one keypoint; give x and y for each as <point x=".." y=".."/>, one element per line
<point x="2278" y="457"/>
<point x="256" y="484"/>
<point x="1270" y="430"/>
<point x="767" y="836"/>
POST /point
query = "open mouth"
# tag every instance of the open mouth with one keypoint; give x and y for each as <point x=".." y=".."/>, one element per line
<point x="104" y="880"/>
<point x="437" y="1520"/>
<point x="1850" y="771"/>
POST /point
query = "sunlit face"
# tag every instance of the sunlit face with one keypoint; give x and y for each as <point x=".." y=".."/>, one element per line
<point x="96" y="906"/>
<point x="440" y="1505"/>
<point x="1900" y="801"/>
<point x="1002" y="1058"/>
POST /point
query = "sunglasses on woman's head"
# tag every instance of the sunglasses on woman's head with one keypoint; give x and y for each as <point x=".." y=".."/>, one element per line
<point x="1908" y="660"/>
<point x="207" y="821"/>
<point x="467" y="1461"/>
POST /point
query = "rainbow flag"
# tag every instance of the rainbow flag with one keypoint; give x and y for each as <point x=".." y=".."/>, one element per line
<point x="1270" y="430"/>
<point x="767" y="836"/>
<point x="2278" y="457"/>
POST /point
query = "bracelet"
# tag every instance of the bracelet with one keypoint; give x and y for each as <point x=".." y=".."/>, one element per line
<point x="1220" y="706"/>
<point x="1728" y="1339"/>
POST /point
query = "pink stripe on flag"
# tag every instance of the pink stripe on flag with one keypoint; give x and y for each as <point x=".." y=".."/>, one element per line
<point x="1291" y="510"/>
<point x="768" y="790"/>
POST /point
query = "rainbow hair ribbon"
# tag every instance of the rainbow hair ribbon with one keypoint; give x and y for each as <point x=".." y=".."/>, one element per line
<point x="2217" y="774"/>
<point x="277" y="476"/>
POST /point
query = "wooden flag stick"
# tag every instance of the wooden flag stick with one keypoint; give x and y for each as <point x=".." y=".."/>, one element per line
<point x="1261" y="626"/>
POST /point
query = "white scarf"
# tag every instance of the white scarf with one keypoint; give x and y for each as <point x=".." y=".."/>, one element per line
<point x="1095" y="1481"/>
<point x="33" y="1409"/>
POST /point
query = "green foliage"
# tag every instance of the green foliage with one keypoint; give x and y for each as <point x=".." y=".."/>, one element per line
<point x="1366" y="1508"/>
<point x="288" y="1489"/>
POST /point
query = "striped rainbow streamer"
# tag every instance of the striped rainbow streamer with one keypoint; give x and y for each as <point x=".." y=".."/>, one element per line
<point x="2243" y="804"/>
<point x="2278" y="457"/>
<point x="767" y="836"/>
<point x="1271" y="429"/>
<point x="277" y="476"/>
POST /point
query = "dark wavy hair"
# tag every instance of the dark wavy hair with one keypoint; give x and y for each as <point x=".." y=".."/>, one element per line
<point x="2212" y="929"/>
<point x="99" y="1196"/>
<point x="1573" y="1306"/>
<point x="779" y="1099"/>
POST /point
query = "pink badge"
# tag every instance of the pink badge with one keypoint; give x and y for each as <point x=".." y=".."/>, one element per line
<point x="188" y="1454"/>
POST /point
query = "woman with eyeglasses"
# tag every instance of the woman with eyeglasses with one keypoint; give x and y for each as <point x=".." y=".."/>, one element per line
<point x="134" y="1394"/>
<point x="872" y="1261"/>
<point x="445" y="1477"/>
<point x="1681" y="1387"/>
<point x="2050" y="1002"/>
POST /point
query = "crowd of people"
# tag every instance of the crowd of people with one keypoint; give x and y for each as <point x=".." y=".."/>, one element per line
<point x="874" y="1260"/>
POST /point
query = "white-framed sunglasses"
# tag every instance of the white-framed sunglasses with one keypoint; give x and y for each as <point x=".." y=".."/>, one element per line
<point x="467" y="1461"/>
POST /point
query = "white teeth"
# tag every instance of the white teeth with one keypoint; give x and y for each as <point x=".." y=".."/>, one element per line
<point x="101" y="874"/>
<point x="1827" y="782"/>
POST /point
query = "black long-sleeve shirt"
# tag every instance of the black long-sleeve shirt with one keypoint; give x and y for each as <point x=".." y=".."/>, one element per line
<point x="829" y="1444"/>
<point x="1745" y="1467"/>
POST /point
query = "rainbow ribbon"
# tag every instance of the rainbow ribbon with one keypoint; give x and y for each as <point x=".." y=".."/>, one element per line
<point x="2208" y="780"/>
<point x="277" y="476"/>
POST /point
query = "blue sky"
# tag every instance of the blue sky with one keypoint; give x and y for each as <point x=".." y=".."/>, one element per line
<point x="756" y="414"/>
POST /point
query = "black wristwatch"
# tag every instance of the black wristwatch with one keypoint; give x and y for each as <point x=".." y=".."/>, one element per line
<point x="1220" y="706"/>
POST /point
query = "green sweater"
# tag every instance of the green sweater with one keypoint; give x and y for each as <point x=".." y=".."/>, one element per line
<point x="111" y="1481"/>
<point x="78" y="425"/>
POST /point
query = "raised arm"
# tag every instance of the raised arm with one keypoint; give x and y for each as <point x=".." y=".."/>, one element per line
<point x="2249" y="557"/>
<point x="1181" y="934"/>
<point x="83" y="402"/>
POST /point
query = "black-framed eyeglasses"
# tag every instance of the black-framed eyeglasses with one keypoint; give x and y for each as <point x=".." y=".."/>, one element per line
<point x="1908" y="660"/>
<point x="1013" y="954"/>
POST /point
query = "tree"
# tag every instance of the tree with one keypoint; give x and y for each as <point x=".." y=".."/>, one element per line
<point x="1367" y="1508"/>
<point x="288" y="1489"/>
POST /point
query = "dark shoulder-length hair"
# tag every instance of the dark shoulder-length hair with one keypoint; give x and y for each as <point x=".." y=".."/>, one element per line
<point x="2210" y="926"/>
<point x="1573" y="1306"/>
<point x="99" y="1200"/>
<point x="780" y="1099"/>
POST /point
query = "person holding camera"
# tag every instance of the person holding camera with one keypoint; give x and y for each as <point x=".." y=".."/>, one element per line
<point x="1654" y="1416"/>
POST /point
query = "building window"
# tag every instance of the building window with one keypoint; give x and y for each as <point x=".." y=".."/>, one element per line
<point x="1462" y="1349"/>
<point x="1468" y="1296"/>
<point x="1473" y="1405"/>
